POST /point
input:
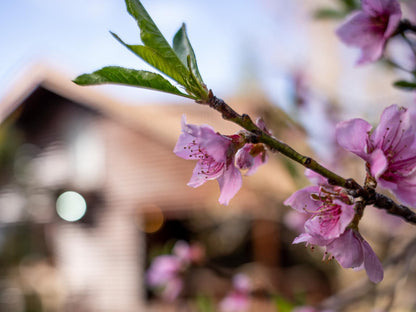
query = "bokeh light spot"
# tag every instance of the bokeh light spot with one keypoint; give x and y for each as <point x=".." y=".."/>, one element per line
<point x="71" y="206"/>
<point x="152" y="219"/>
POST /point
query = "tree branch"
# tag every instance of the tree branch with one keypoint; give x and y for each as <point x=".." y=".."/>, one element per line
<point x="405" y="25"/>
<point x="384" y="202"/>
<point x="367" y="194"/>
<point x="275" y="145"/>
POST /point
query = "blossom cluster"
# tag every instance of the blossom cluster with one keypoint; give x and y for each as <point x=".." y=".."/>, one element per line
<point x="330" y="213"/>
<point x="371" y="27"/>
<point x="389" y="149"/>
<point x="390" y="154"/>
<point x="219" y="157"/>
<point x="165" y="272"/>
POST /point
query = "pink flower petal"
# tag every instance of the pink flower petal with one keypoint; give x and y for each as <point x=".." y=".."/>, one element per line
<point x="216" y="145"/>
<point x="312" y="240"/>
<point x="182" y="250"/>
<point x="390" y="8"/>
<point x="245" y="160"/>
<point x="242" y="283"/>
<point x="258" y="161"/>
<point x="332" y="222"/>
<point x="163" y="269"/>
<point x="372" y="7"/>
<point x="372" y="50"/>
<point x="405" y="190"/>
<point x="394" y="22"/>
<point x="379" y="7"/>
<point x="172" y="289"/>
<point x="315" y="178"/>
<point x="372" y="264"/>
<point x="230" y="183"/>
<point x="235" y="302"/>
<point x="347" y="215"/>
<point x="352" y="29"/>
<point x="302" y="201"/>
<point x="214" y="154"/>
<point x="378" y="163"/>
<point x="393" y="121"/>
<point x="198" y="178"/>
<point x="352" y="135"/>
<point x="347" y="250"/>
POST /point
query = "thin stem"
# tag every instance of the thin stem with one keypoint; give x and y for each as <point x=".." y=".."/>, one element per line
<point x="274" y="144"/>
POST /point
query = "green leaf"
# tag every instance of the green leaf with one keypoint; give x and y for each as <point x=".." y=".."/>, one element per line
<point x="281" y="304"/>
<point x="153" y="38"/>
<point x="183" y="48"/>
<point x="325" y="13"/>
<point x="204" y="304"/>
<point x="351" y="5"/>
<point x="153" y="57"/>
<point x="405" y="85"/>
<point x="131" y="77"/>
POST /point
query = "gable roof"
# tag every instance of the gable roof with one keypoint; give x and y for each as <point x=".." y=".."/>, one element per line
<point x="160" y="121"/>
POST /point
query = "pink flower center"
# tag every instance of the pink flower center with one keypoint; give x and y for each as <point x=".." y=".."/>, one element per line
<point x="329" y="212"/>
<point x="207" y="164"/>
<point x="380" y="23"/>
<point x="399" y="162"/>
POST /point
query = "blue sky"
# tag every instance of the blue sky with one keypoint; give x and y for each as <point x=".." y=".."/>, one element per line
<point x="73" y="35"/>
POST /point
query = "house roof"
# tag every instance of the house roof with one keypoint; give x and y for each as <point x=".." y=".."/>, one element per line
<point x="159" y="121"/>
<point x="138" y="114"/>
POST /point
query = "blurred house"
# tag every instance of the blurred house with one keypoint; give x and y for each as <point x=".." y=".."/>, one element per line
<point x="84" y="179"/>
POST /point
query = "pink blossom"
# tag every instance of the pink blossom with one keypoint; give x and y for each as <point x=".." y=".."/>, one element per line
<point x="193" y="253"/>
<point x="389" y="149"/>
<point x="164" y="274"/>
<point x="329" y="209"/>
<point x="215" y="155"/>
<point x="250" y="157"/>
<point x="166" y="270"/>
<point x="238" y="300"/>
<point x="352" y="251"/>
<point x="370" y="28"/>
<point x="329" y="225"/>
